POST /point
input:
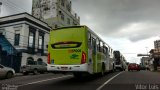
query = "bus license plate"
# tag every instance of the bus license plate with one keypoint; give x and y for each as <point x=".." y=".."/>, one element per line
<point x="64" y="68"/>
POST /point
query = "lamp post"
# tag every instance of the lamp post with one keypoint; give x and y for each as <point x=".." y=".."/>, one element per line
<point x="146" y="50"/>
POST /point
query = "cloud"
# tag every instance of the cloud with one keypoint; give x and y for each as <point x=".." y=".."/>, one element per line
<point x="132" y="19"/>
<point x="126" y="25"/>
<point x="138" y="31"/>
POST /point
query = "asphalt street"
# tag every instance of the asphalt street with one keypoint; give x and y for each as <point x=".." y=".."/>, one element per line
<point x="136" y="80"/>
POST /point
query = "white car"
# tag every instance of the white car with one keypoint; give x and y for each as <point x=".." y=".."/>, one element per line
<point x="6" y="72"/>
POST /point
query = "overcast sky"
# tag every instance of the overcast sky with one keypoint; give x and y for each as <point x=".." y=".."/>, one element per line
<point x="130" y="26"/>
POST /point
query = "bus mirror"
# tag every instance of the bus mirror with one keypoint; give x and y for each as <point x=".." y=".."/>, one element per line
<point x="46" y="46"/>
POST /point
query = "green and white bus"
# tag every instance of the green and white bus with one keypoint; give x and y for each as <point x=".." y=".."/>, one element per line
<point x="79" y="50"/>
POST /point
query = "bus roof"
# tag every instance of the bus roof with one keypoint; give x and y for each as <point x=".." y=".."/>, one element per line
<point x="70" y="27"/>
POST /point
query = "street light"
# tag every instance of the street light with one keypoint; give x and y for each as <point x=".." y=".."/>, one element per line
<point x="147" y="50"/>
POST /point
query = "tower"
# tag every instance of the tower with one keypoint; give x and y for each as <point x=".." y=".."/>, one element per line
<point x="56" y="13"/>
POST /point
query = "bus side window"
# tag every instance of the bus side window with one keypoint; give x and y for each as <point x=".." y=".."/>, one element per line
<point x="109" y="51"/>
<point x="106" y="51"/>
<point x="89" y="40"/>
<point x="94" y="45"/>
<point x="98" y="45"/>
<point x="101" y="46"/>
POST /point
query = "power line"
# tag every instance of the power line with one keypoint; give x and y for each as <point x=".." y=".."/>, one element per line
<point x="13" y="6"/>
<point x="10" y="6"/>
<point x="16" y="5"/>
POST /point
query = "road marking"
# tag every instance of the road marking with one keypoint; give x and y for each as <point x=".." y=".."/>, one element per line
<point x="99" y="88"/>
<point x="45" y="80"/>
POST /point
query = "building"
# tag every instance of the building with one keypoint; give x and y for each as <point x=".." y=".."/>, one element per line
<point x="145" y="62"/>
<point x="155" y="57"/>
<point x="157" y="44"/>
<point x="23" y="38"/>
<point x="57" y="13"/>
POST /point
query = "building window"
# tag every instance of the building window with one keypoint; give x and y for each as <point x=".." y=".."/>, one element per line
<point x="39" y="61"/>
<point x="31" y="39"/>
<point x="30" y="61"/>
<point x="68" y="21"/>
<point x="16" y="39"/>
<point x="41" y="43"/>
<point x="2" y="31"/>
<point x="62" y="2"/>
<point x="62" y="16"/>
<point x="68" y="6"/>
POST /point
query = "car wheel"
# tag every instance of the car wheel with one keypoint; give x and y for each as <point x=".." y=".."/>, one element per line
<point x="9" y="75"/>
<point x="35" y="71"/>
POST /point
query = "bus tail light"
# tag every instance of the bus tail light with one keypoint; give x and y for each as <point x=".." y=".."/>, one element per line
<point x="49" y="58"/>
<point x="83" y="60"/>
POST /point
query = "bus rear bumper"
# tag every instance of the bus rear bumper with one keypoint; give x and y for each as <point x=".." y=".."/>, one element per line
<point x="68" y="68"/>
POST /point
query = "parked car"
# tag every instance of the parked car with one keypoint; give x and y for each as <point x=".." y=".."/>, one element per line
<point x="6" y="72"/>
<point x="34" y="68"/>
<point x="133" y="66"/>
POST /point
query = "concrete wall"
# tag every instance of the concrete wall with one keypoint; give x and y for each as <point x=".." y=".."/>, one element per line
<point x="24" y="34"/>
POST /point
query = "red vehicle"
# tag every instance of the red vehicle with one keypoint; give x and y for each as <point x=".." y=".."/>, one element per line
<point x="133" y="66"/>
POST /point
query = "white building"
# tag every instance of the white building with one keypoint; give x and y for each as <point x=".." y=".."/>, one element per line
<point x="56" y="13"/>
<point x="28" y="36"/>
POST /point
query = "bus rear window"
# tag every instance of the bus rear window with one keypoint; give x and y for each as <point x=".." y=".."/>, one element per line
<point x="68" y="44"/>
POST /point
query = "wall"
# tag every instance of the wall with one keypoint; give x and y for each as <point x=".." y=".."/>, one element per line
<point x="25" y="56"/>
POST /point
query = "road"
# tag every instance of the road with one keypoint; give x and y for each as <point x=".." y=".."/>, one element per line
<point x="141" y="80"/>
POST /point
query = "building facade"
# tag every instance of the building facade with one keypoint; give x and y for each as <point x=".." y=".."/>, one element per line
<point x="25" y="36"/>
<point x="57" y="13"/>
<point x="155" y="57"/>
<point x="157" y="44"/>
<point x="145" y="62"/>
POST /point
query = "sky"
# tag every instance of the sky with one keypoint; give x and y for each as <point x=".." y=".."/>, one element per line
<point x="130" y="26"/>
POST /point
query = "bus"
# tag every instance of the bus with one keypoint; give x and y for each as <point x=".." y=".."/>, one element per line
<point x="120" y="62"/>
<point x="77" y="49"/>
